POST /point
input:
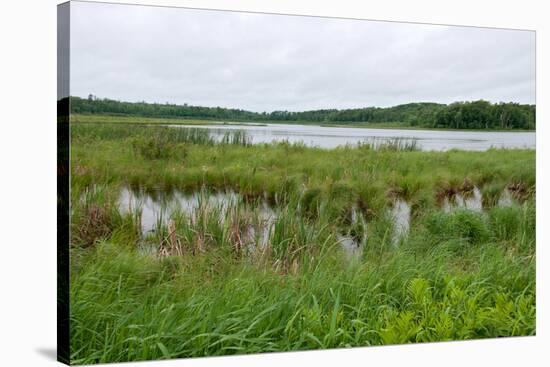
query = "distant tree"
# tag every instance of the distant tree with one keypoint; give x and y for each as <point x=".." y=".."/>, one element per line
<point x="459" y="115"/>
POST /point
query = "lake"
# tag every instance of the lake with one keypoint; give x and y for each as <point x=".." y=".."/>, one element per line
<point x="332" y="137"/>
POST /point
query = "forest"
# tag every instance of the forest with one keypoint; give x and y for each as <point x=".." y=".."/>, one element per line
<point x="459" y="115"/>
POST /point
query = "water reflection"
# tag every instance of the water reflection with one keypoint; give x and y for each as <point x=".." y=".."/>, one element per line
<point x="155" y="208"/>
<point x="506" y="199"/>
<point x="158" y="207"/>
<point x="401" y="214"/>
<point x="471" y="201"/>
<point x="351" y="246"/>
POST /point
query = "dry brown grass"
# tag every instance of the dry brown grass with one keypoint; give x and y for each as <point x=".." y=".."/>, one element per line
<point x="93" y="224"/>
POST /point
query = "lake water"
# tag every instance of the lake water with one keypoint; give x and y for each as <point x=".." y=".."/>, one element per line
<point x="331" y="137"/>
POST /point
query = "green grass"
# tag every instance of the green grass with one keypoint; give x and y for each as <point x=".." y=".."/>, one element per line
<point x="457" y="275"/>
<point x="107" y="154"/>
<point x="133" y="120"/>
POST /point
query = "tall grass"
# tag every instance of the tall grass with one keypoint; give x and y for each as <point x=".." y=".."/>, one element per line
<point x="127" y="306"/>
<point x="395" y="144"/>
<point x="456" y="275"/>
<point x="93" y="132"/>
<point x="189" y="159"/>
<point x="236" y="137"/>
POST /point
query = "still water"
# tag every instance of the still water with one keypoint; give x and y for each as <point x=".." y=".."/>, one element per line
<point x="332" y="137"/>
<point x="156" y="208"/>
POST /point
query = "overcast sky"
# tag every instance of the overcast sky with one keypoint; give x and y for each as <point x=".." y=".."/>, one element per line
<point x="265" y="62"/>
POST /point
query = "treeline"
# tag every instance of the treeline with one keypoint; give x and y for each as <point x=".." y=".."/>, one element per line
<point x="459" y="115"/>
<point x="484" y="115"/>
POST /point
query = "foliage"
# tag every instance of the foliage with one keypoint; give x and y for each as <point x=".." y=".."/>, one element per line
<point x="459" y="115"/>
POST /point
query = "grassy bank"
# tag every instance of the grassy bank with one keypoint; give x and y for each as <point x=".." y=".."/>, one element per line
<point x="457" y="274"/>
<point x="122" y="119"/>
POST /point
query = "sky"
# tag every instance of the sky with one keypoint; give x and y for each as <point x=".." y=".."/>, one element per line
<point x="264" y="62"/>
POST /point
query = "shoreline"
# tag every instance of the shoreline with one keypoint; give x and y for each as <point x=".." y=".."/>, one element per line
<point x="127" y="119"/>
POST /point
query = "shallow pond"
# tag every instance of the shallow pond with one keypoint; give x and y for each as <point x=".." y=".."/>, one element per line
<point x="157" y="207"/>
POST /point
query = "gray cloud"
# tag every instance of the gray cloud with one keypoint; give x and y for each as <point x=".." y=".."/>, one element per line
<point x="266" y="62"/>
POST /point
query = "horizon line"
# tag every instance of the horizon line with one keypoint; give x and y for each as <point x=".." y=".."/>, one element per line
<point x="297" y="111"/>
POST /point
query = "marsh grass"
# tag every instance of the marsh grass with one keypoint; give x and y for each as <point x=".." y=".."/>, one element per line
<point x="157" y="136"/>
<point x="236" y="137"/>
<point x="395" y="144"/>
<point x="211" y="304"/>
<point x="345" y="175"/>
<point x="455" y="275"/>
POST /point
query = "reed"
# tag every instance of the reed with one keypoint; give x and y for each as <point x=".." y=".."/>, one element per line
<point x="265" y="271"/>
